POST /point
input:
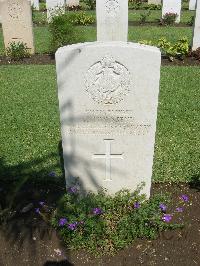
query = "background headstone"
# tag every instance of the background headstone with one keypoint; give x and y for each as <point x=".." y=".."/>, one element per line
<point x="112" y="20"/>
<point x="154" y="2"/>
<point x="53" y="7"/>
<point x="17" y="22"/>
<point x="192" y="4"/>
<point x="172" y="6"/>
<point x="72" y="2"/>
<point x="35" y="4"/>
<point x="196" y="31"/>
<point x="108" y="96"/>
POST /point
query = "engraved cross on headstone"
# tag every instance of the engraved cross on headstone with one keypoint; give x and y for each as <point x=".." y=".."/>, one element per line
<point x="108" y="156"/>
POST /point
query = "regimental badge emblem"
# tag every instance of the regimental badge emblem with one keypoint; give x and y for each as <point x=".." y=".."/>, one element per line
<point x="107" y="81"/>
<point x="112" y="7"/>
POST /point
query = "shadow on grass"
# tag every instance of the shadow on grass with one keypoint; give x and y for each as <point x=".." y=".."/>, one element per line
<point x="22" y="187"/>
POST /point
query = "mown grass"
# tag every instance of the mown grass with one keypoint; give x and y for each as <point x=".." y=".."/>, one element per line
<point x="42" y="35"/>
<point x="30" y="129"/>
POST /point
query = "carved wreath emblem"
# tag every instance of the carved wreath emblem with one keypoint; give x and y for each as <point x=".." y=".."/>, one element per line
<point x="112" y="7"/>
<point x="107" y="81"/>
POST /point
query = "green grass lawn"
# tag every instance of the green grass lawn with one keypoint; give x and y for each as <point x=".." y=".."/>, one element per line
<point x="30" y="129"/>
<point x="42" y="35"/>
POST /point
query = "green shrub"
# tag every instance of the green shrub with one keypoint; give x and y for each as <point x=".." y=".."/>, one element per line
<point x="169" y="19"/>
<point x="191" y="21"/>
<point x="43" y="7"/>
<point x="153" y="7"/>
<point x="180" y="49"/>
<point x="17" y="50"/>
<point x="81" y="18"/>
<point x="90" y="3"/>
<point x="63" y="32"/>
<point x="145" y="42"/>
<point x="104" y="224"/>
<point x="135" y="4"/>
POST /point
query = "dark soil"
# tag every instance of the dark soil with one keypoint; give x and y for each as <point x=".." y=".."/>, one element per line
<point x="46" y="59"/>
<point x="157" y="24"/>
<point x="27" y="240"/>
<point x="36" y="59"/>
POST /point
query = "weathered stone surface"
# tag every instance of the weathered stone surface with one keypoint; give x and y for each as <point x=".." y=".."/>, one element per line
<point x="112" y="20"/>
<point x="196" y="32"/>
<point x="108" y="96"/>
<point x="17" y="25"/>
<point x="172" y="6"/>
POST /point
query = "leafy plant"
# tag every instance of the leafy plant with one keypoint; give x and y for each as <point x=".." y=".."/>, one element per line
<point x="105" y="224"/>
<point x="169" y="18"/>
<point x="17" y="50"/>
<point x="191" y="21"/>
<point x="43" y="6"/>
<point x="63" y="31"/>
<point x="153" y="7"/>
<point x="145" y="42"/>
<point x="90" y="3"/>
<point x="81" y="18"/>
<point x="180" y="49"/>
<point x="144" y="16"/>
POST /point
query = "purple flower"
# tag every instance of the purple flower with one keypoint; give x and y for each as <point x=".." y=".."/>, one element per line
<point x="52" y="174"/>
<point x="136" y="205"/>
<point x="185" y="198"/>
<point x="97" y="211"/>
<point x="73" y="190"/>
<point x="163" y="207"/>
<point x="167" y="218"/>
<point x="37" y="210"/>
<point x="72" y="226"/>
<point x="179" y="209"/>
<point x="62" y="221"/>
<point x="41" y="203"/>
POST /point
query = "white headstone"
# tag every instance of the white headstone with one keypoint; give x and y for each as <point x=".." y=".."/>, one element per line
<point x="72" y="2"/>
<point x="196" y="32"/>
<point x="17" y="23"/>
<point x="35" y="4"/>
<point x="54" y="7"/>
<point x="112" y="20"/>
<point x="172" y="6"/>
<point x="108" y="96"/>
<point x="192" y="4"/>
<point x="154" y="2"/>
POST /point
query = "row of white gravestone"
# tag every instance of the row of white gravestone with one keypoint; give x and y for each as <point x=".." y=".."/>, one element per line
<point x="192" y="3"/>
<point x="171" y="6"/>
<point x="54" y="4"/>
